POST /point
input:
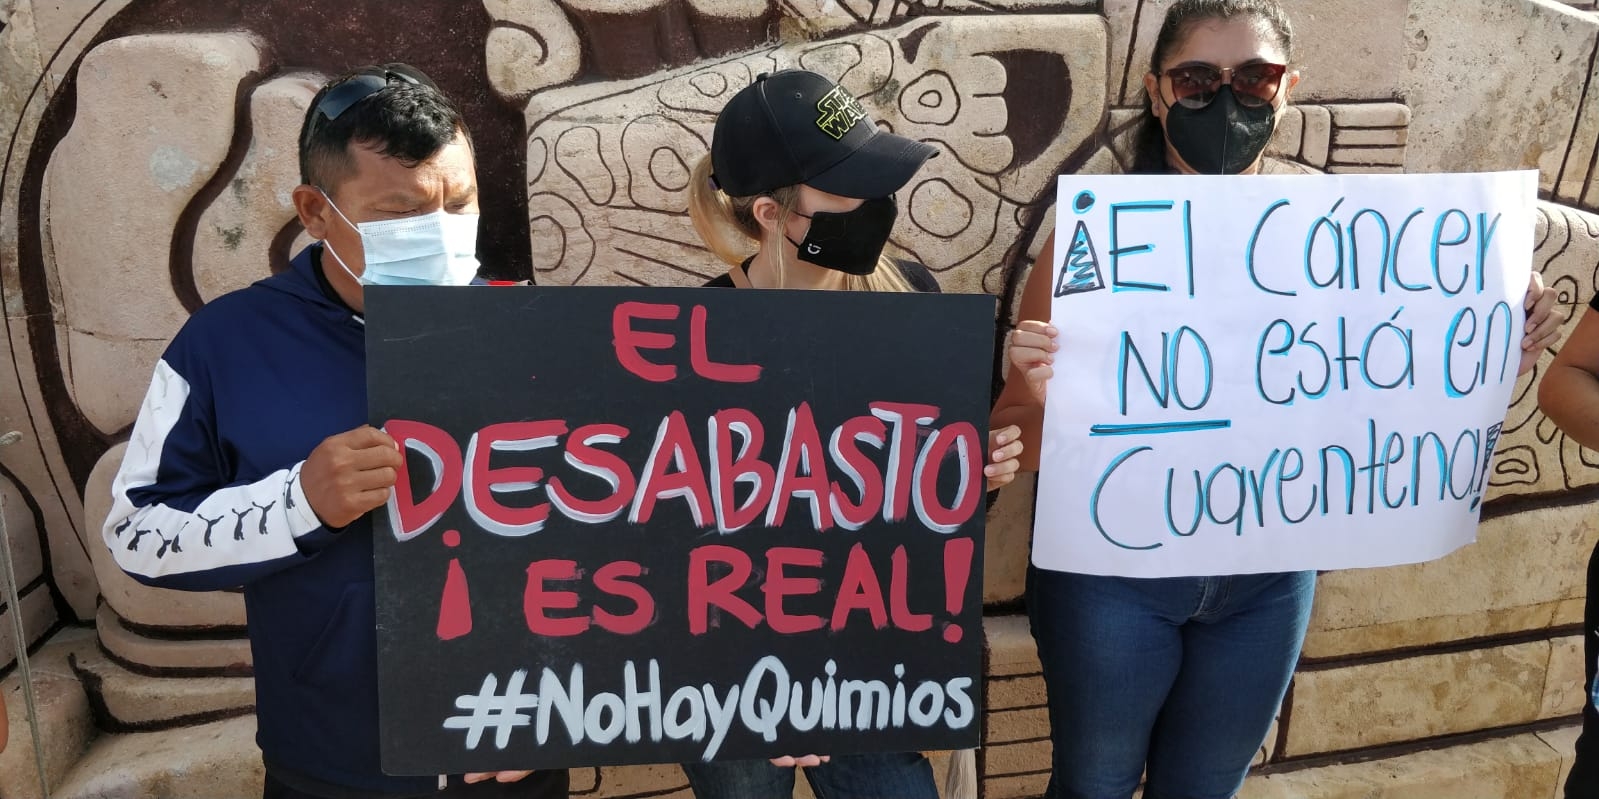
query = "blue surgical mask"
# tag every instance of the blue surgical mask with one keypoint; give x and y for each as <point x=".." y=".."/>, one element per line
<point x="437" y="249"/>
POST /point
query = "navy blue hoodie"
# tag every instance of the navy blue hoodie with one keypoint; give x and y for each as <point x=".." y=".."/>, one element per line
<point x="209" y="497"/>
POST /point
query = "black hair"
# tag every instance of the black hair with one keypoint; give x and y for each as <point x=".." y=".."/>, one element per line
<point x="1149" y="141"/>
<point x="409" y="122"/>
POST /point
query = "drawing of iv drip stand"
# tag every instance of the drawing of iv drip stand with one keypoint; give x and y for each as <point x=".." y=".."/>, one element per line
<point x="8" y="574"/>
<point x="1079" y="271"/>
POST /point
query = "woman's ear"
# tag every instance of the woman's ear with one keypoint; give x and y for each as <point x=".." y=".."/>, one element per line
<point x="767" y="212"/>
<point x="1157" y="104"/>
<point x="1293" y="80"/>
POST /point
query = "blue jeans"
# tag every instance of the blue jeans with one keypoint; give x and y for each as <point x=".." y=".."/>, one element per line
<point x="905" y="775"/>
<point x="1180" y="675"/>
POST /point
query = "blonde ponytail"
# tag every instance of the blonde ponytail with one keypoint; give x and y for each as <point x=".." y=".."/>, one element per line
<point x="727" y="226"/>
<point x="711" y="211"/>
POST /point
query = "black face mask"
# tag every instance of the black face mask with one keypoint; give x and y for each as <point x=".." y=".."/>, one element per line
<point x="1222" y="138"/>
<point x="850" y="242"/>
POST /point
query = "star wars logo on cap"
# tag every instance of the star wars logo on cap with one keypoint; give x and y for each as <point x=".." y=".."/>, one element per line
<point x="840" y="111"/>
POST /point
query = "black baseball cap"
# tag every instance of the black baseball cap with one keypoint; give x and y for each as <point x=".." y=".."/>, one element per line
<point x="793" y="127"/>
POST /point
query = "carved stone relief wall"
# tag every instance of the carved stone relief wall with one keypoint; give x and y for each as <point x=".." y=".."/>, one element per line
<point x="149" y="155"/>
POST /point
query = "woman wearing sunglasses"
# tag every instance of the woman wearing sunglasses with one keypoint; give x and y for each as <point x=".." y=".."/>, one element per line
<point x="798" y="193"/>
<point x="1178" y="678"/>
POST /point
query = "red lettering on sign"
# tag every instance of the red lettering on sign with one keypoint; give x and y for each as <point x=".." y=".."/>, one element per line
<point x="627" y="341"/>
<point x="537" y="600"/>
<point x="616" y="579"/>
<point x="705" y="593"/>
<point x="779" y="585"/>
<point x="415" y="517"/>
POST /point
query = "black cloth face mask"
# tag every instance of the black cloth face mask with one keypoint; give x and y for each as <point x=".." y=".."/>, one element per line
<point x="850" y="242"/>
<point x="1223" y="138"/>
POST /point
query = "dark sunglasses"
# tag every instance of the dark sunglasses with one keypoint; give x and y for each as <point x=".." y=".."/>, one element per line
<point x="359" y="86"/>
<point x="1254" y="85"/>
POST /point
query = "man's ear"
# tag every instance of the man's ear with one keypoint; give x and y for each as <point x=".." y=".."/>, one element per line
<point x="311" y="205"/>
<point x="767" y="212"/>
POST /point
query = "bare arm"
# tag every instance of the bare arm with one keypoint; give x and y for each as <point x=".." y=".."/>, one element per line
<point x="1021" y="401"/>
<point x="1569" y="393"/>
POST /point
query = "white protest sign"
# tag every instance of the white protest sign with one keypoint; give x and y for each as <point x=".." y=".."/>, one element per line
<point x="1272" y="373"/>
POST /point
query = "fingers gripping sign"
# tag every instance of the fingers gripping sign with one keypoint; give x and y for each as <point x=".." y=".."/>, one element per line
<point x="1543" y="326"/>
<point x="1004" y="447"/>
<point x="1033" y="346"/>
<point x="350" y="474"/>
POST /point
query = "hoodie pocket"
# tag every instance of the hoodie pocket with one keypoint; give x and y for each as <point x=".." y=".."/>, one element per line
<point x="345" y="649"/>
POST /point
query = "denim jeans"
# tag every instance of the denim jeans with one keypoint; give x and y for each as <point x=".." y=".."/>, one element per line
<point x="1181" y="676"/>
<point x="883" y="776"/>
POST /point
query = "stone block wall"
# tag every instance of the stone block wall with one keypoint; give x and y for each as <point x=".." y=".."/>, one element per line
<point x="148" y="156"/>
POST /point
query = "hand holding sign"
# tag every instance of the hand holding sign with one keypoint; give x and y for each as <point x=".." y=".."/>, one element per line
<point x="1004" y="447"/>
<point x="1543" y="327"/>
<point x="1032" y="352"/>
<point x="350" y="474"/>
<point x="497" y="776"/>
<point x="790" y="761"/>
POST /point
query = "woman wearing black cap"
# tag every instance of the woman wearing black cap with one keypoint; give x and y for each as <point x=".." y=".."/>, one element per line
<point x="798" y="193"/>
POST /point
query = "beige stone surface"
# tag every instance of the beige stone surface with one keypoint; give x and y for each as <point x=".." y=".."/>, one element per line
<point x="603" y="173"/>
<point x="1517" y="767"/>
<point x="230" y="655"/>
<point x="152" y="703"/>
<point x="38" y="616"/>
<point x="207" y="761"/>
<point x="1512" y="580"/>
<point x="1015" y="693"/>
<point x="1289" y="137"/>
<point x="236" y="231"/>
<point x="1577" y="181"/>
<point x="37" y="463"/>
<point x="65" y="724"/>
<point x="1017" y="758"/>
<point x="1374" y="137"/>
<point x="1366" y="156"/>
<point x="110" y="227"/>
<point x="1011" y="651"/>
<point x="1007" y="537"/>
<point x="518" y="62"/>
<point x="1416" y="697"/>
<point x="1362" y="39"/>
<point x="1317" y="142"/>
<point x="631" y="781"/>
<point x="1015" y="726"/>
<point x="26" y="556"/>
<point x="40" y="42"/>
<point x="1564" y="688"/>
<point x="1030" y="786"/>
<point x="67" y="29"/>
<point x="96" y="358"/>
<point x="1473" y="106"/>
<point x="1564" y="741"/>
<point x="1536" y="457"/>
<point x="140" y="603"/>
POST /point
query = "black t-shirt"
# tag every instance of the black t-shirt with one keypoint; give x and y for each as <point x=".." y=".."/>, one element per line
<point x="920" y="277"/>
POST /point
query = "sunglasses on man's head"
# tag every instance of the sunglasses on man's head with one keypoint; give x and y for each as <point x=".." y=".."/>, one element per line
<point x="1254" y="85"/>
<point x="361" y="85"/>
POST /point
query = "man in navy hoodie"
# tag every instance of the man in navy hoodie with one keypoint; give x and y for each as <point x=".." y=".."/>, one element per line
<point x="256" y="416"/>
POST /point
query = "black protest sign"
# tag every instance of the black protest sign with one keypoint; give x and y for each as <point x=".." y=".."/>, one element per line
<point x="659" y="525"/>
